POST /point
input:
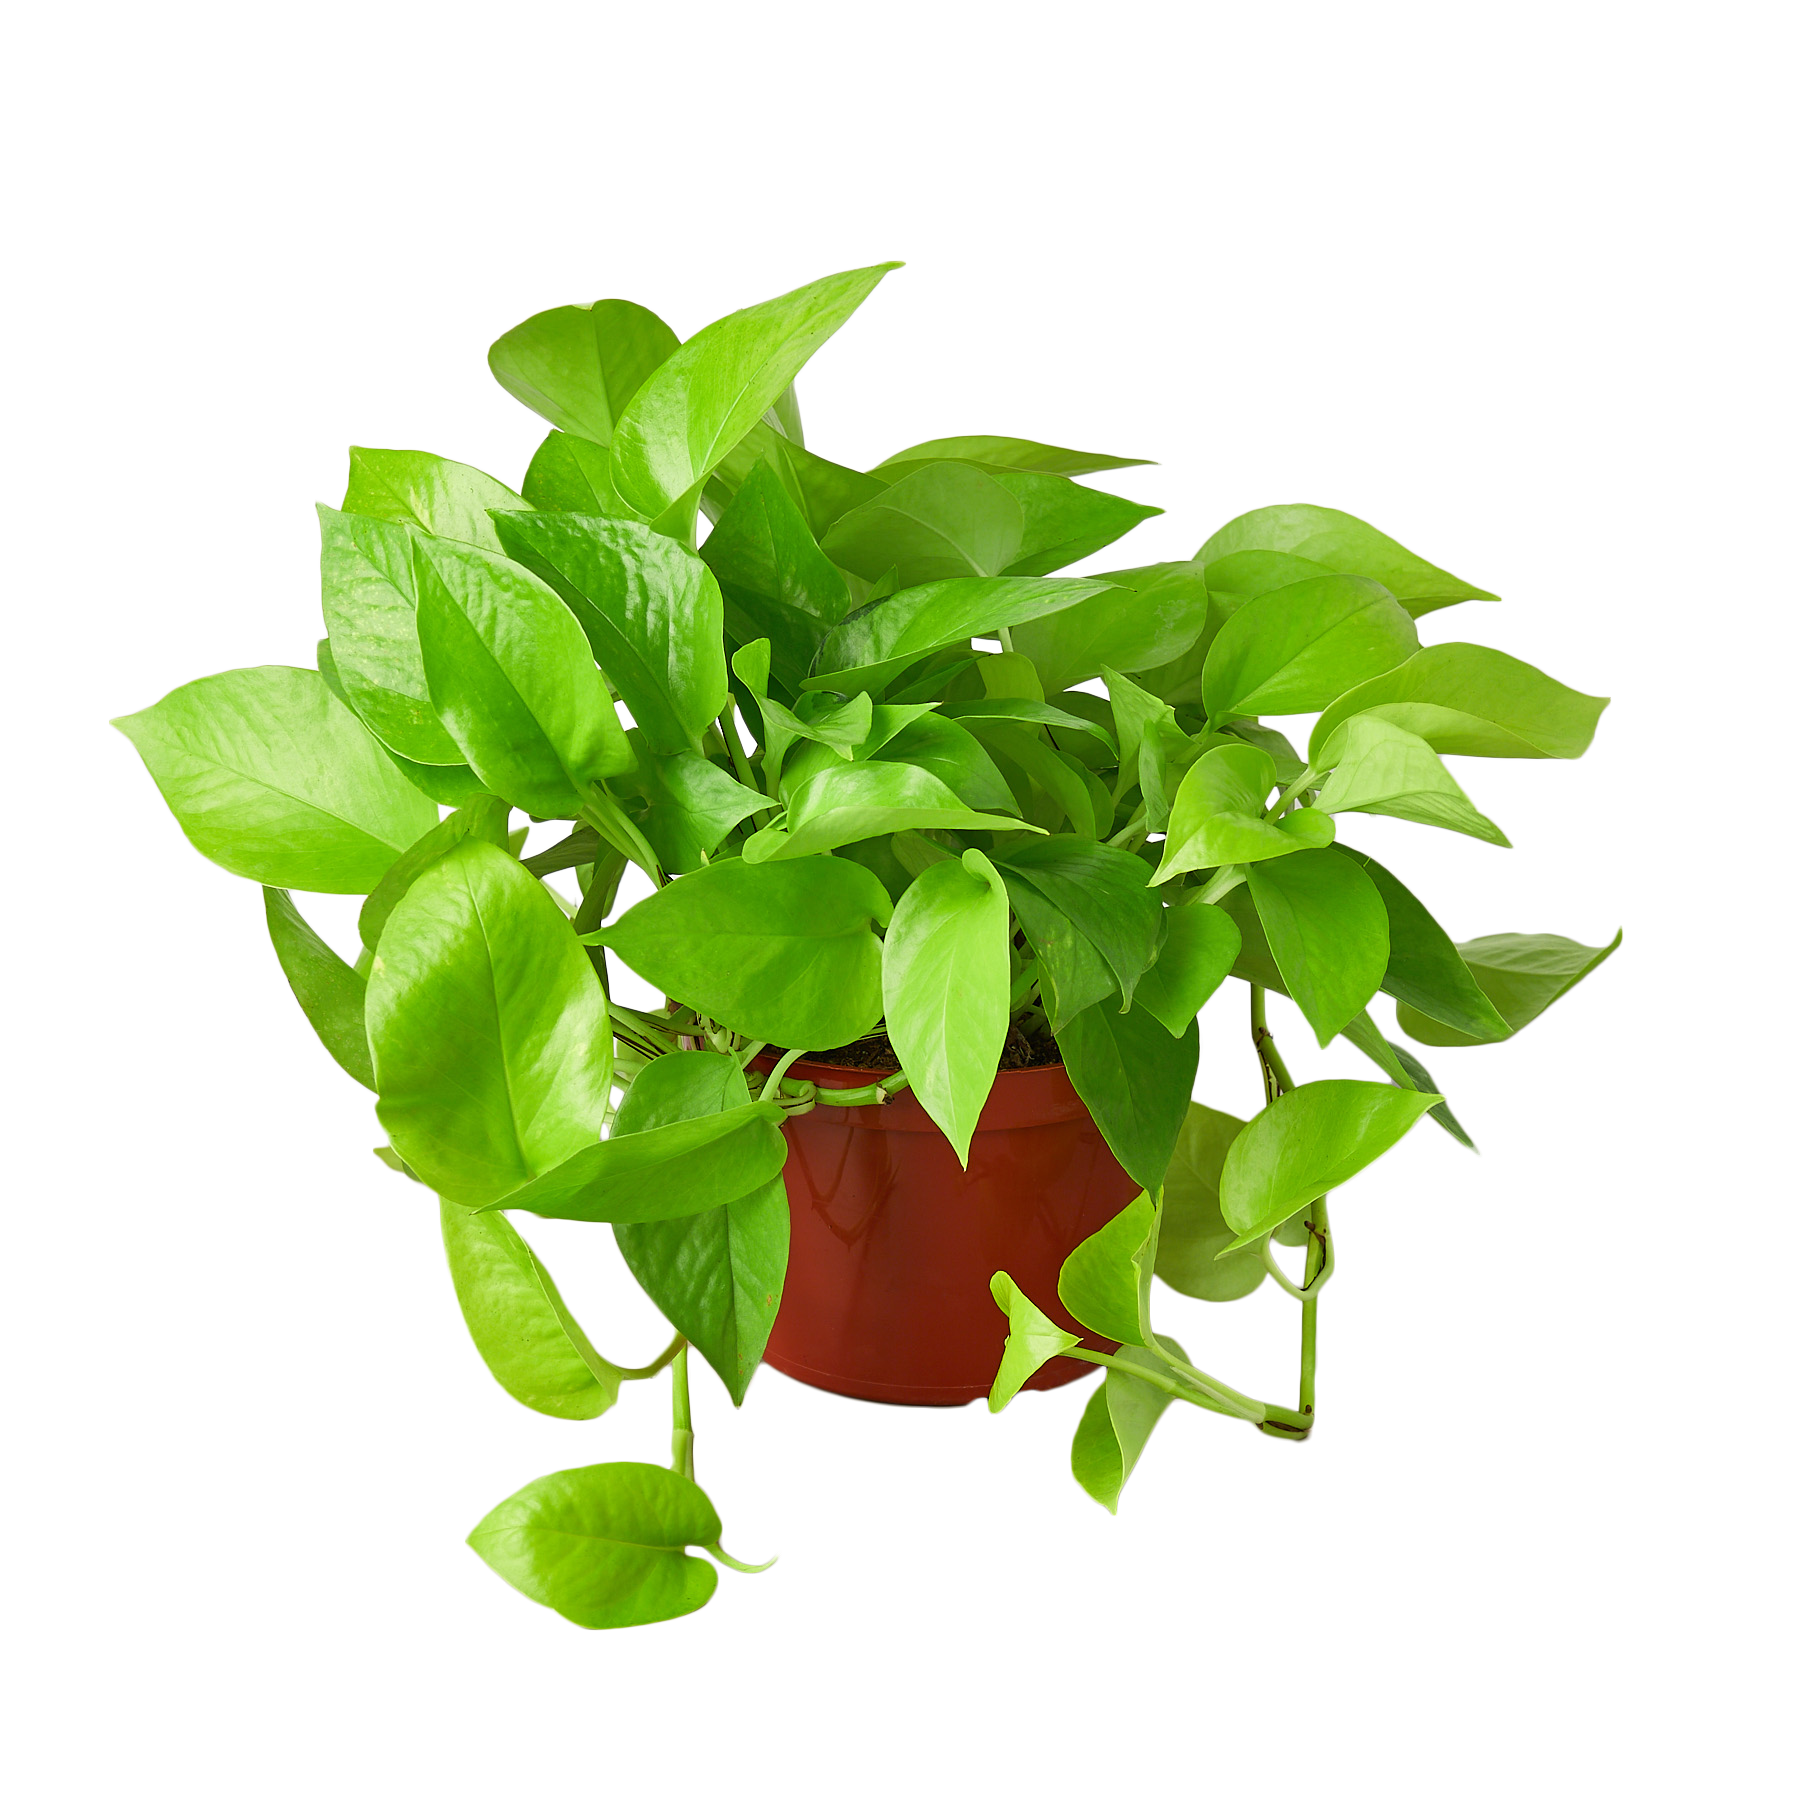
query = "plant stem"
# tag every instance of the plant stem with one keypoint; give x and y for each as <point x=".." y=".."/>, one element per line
<point x="1307" y="777"/>
<point x="681" y="1438"/>
<point x="739" y="761"/>
<point x="789" y="1058"/>
<point x="1276" y="1079"/>
<point x="657" y="1367"/>
<point x="1005" y="635"/>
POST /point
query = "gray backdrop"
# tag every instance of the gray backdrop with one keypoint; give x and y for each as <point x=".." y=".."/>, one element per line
<point x="1469" y="409"/>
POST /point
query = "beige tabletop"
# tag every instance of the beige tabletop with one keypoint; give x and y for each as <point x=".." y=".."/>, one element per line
<point x="301" y="1433"/>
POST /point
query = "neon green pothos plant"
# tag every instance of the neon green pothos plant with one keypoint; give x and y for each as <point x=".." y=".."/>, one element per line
<point x="885" y="770"/>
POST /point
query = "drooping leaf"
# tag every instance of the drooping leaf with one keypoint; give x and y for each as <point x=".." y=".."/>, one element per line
<point x="1033" y="1340"/>
<point x="716" y="1275"/>
<point x="1057" y="777"/>
<point x="1404" y="1070"/>
<point x="780" y="951"/>
<point x="1194" y="1232"/>
<point x="604" y="1546"/>
<point x="484" y="817"/>
<point x="688" y="413"/>
<point x="651" y="611"/>
<point x="1136" y="1081"/>
<point x="513" y="679"/>
<point x="488" y="1029"/>
<point x="1104" y="891"/>
<point x="579" y="366"/>
<point x="1072" y="974"/>
<point x="944" y="980"/>
<point x="1010" y="453"/>
<point x="1148" y="619"/>
<point x="330" y="992"/>
<point x="1105" y="1279"/>
<point x="1328" y="932"/>
<point x="526" y="1335"/>
<point x="1346" y="544"/>
<point x="445" y="498"/>
<point x="1425" y="971"/>
<point x="1379" y="768"/>
<point x="1298" y="648"/>
<point x="271" y="778"/>
<point x="1217" y="815"/>
<point x="870" y="648"/>
<point x="1120" y="1415"/>
<point x="1199" y="946"/>
<point x="1468" y="700"/>
<point x="1307" y="1143"/>
<point x="869" y="799"/>
<point x="1521" y="974"/>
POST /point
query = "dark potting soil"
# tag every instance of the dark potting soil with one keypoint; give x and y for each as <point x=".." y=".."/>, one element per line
<point x="876" y="1053"/>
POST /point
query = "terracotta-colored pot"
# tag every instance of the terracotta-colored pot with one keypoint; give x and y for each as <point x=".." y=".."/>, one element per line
<point x="894" y="1244"/>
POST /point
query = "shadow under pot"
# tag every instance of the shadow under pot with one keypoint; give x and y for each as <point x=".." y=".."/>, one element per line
<point x="894" y="1243"/>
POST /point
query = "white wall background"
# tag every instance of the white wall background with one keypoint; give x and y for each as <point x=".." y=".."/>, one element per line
<point x="1469" y="409"/>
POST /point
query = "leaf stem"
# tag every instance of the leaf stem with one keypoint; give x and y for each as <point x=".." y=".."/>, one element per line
<point x="739" y="761"/>
<point x="657" y="1367"/>
<point x="717" y="1553"/>
<point x="1215" y="1396"/>
<point x="681" y="1438"/>
<point x="1307" y="777"/>
<point x="788" y="1059"/>
<point x="1280" y="1274"/>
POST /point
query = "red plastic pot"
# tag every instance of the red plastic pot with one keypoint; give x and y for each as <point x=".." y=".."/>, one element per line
<point x="894" y="1244"/>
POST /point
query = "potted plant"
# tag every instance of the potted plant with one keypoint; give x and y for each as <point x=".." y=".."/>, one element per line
<point x="944" y="851"/>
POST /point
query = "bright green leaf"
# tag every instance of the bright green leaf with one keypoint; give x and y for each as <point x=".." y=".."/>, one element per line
<point x="1151" y="617"/>
<point x="271" y="778"/>
<point x="1521" y="974"/>
<point x="1118" y="1420"/>
<point x="445" y="498"/>
<point x="935" y="523"/>
<point x="1105" y="1279"/>
<point x="1104" y="891"/>
<point x="604" y="1546"/>
<point x="1136" y="1081"/>
<point x="1378" y="768"/>
<point x="871" y="799"/>
<point x="484" y="817"/>
<point x="330" y="992"/>
<point x="1328" y="932"/>
<point x="579" y="366"/>
<point x="1010" y="453"/>
<point x="944" y="979"/>
<point x="1033" y="1340"/>
<point x="1194" y="1232"/>
<point x="1217" y="815"/>
<point x="1199" y="946"/>
<point x="526" y="1335"/>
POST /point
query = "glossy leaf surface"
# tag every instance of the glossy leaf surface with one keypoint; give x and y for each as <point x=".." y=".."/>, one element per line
<point x="943" y="747"/>
<point x="579" y="366"/>
<point x="870" y="648"/>
<point x="1118" y="1420"/>
<point x="513" y="679"/>
<point x="1063" y="521"/>
<point x="1328" y="932"/>
<point x="573" y="475"/>
<point x="1521" y="974"/>
<point x="690" y="806"/>
<point x="1105" y="892"/>
<point x="330" y="992"/>
<point x="1072" y="975"/>
<point x="484" y="817"/>
<point x="1105" y="1279"/>
<point x="1147" y="620"/>
<point x="370" y="598"/>
<point x="488" y="1029"/>
<point x="1468" y="700"/>
<point x="445" y="498"/>
<point x="1200" y="944"/>
<point x="1136" y="1081"/>
<point x="517" y="1320"/>
<point x="1193" y="1232"/>
<point x="1033" y="1340"/>
<point x="717" y="1275"/>
<point x="1323" y="535"/>
<point x="780" y="951"/>
<point x="1217" y="817"/>
<point x="936" y="522"/>
<point x="1298" y="648"/>
<point x="1379" y="768"/>
<point x="272" y="778"/>
<point x="704" y="397"/>
<point x="1010" y="453"/>
<point x="1425" y="970"/>
<point x="944" y="980"/>
<point x="604" y="1546"/>
<point x="651" y="611"/>
<point x="1307" y="1143"/>
<point x="870" y="799"/>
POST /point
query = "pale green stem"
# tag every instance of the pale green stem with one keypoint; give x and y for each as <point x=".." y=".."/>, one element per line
<point x="657" y="1367"/>
<point x="681" y="1438"/>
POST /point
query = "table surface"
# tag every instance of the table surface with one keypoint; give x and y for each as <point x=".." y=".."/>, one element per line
<point x="301" y="1433"/>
